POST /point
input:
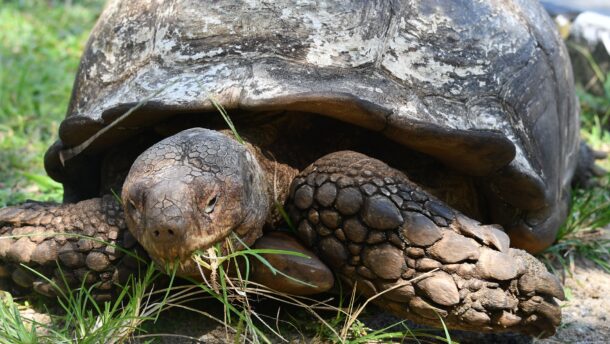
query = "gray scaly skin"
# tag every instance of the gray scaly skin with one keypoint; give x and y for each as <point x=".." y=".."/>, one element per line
<point x="74" y="244"/>
<point x="379" y="231"/>
<point x="367" y="221"/>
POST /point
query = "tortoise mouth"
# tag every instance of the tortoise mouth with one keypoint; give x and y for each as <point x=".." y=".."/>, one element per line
<point x="181" y="256"/>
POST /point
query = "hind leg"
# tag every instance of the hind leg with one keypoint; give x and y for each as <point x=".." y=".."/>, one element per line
<point x="383" y="234"/>
<point x="75" y="243"/>
<point x="586" y="169"/>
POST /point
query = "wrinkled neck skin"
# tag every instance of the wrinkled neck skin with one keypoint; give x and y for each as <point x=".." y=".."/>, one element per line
<point x="278" y="177"/>
<point x="192" y="190"/>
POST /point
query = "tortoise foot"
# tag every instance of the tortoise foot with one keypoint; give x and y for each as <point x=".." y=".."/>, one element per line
<point x="385" y="236"/>
<point x="69" y="244"/>
<point x="587" y="171"/>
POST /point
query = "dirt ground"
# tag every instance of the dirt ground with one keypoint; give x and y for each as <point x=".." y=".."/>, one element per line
<point x="586" y="315"/>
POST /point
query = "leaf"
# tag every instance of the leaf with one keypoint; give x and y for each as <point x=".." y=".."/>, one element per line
<point x="227" y="119"/>
<point x="44" y="182"/>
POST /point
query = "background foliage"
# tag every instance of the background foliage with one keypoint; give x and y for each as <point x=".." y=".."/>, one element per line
<point x="40" y="46"/>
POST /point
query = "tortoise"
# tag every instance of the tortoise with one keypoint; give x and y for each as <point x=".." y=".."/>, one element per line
<point x="411" y="142"/>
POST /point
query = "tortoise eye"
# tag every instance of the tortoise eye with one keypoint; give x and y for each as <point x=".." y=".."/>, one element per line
<point x="132" y="207"/>
<point x="211" y="204"/>
<point x="132" y="211"/>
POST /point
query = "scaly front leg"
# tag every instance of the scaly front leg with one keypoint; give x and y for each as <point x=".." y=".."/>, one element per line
<point x="74" y="243"/>
<point x="383" y="234"/>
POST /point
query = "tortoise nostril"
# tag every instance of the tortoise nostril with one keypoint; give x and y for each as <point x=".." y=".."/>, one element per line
<point x="165" y="235"/>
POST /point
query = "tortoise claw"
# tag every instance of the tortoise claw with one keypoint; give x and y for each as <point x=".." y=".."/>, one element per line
<point x="598" y="171"/>
<point x="599" y="155"/>
<point x="548" y="284"/>
<point x="537" y="280"/>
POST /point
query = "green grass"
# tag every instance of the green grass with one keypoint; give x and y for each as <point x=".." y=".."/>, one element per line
<point x="582" y="235"/>
<point x="80" y="319"/>
<point x="40" y="46"/>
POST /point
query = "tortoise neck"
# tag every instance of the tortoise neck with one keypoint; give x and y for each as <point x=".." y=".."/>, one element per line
<point x="278" y="176"/>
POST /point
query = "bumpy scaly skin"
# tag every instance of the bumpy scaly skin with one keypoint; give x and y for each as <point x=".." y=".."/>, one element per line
<point x="377" y="230"/>
<point x="52" y="239"/>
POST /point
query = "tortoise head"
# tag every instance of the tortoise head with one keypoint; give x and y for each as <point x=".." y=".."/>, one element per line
<point x="190" y="191"/>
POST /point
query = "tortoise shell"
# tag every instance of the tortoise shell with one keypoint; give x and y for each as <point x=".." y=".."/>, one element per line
<point x="484" y="87"/>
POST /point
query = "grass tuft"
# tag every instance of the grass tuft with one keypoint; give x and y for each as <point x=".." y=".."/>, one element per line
<point x="81" y="319"/>
<point x="585" y="232"/>
<point x="14" y="327"/>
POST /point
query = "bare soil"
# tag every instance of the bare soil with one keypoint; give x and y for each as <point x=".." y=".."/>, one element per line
<point x="586" y="315"/>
